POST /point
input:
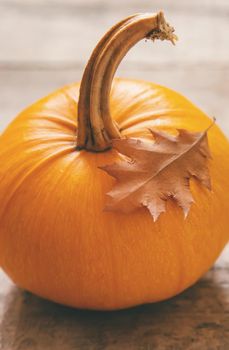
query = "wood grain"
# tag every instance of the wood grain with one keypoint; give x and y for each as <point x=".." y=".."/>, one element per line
<point x="57" y="31"/>
<point x="44" y="45"/>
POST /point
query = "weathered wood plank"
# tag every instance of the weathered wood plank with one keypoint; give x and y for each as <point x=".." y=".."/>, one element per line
<point x="67" y="31"/>
<point x="195" y="5"/>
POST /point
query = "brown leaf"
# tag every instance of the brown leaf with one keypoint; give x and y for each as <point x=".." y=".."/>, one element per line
<point x="159" y="170"/>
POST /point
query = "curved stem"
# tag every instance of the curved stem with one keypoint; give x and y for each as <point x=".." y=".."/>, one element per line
<point x="95" y="126"/>
<point x="85" y="87"/>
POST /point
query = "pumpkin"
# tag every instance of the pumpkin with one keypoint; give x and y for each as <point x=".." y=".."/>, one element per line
<point x="56" y="240"/>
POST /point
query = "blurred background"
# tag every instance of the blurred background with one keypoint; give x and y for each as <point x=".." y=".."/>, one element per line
<point x="45" y="44"/>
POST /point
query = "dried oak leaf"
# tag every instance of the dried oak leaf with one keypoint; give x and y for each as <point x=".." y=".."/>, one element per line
<point x="153" y="172"/>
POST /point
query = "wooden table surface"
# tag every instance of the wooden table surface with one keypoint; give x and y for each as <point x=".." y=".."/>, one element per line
<point x="44" y="45"/>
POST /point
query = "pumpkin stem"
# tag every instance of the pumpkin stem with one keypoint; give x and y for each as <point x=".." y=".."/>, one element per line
<point x="96" y="128"/>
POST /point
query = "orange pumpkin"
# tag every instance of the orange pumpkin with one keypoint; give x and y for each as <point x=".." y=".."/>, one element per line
<point x="55" y="238"/>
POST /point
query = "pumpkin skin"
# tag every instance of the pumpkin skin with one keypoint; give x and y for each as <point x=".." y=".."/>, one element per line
<point x="56" y="240"/>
